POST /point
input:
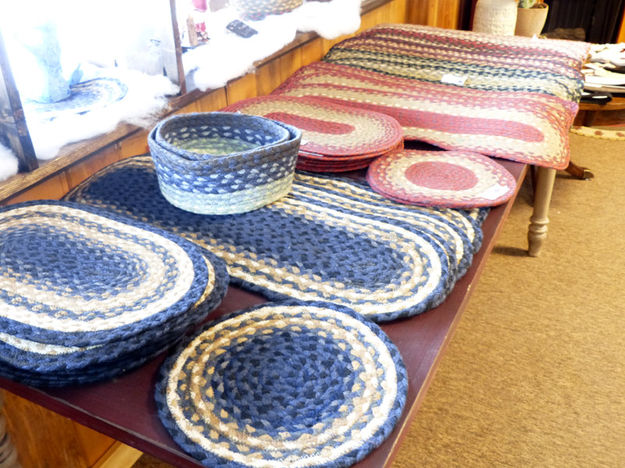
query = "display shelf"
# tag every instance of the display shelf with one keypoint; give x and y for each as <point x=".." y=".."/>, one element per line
<point x="76" y="152"/>
<point x="124" y="408"/>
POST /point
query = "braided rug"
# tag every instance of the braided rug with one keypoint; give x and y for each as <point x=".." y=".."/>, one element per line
<point x="82" y="288"/>
<point x="313" y="244"/>
<point x="487" y="62"/>
<point x="562" y="51"/>
<point x="461" y="229"/>
<point x="37" y="357"/>
<point x="451" y="179"/>
<point x="526" y="127"/>
<point x="292" y="384"/>
<point x="328" y="129"/>
<point x="84" y="97"/>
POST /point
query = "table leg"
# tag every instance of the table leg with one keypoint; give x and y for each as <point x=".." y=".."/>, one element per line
<point x="8" y="454"/>
<point x="545" y="179"/>
<point x="579" y="172"/>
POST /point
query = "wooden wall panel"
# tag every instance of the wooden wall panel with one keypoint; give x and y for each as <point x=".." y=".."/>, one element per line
<point x="53" y="444"/>
<point x="439" y="13"/>
<point x="134" y="145"/>
<point x="52" y="188"/>
<point x="80" y="172"/>
<point x="241" y="88"/>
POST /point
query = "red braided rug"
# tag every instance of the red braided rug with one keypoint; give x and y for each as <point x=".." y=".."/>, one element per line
<point x="526" y="127"/>
<point x="451" y="179"/>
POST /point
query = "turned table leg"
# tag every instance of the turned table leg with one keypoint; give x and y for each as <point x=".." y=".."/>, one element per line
<point x="8" y="454"/>
<point x="545" y="179"/>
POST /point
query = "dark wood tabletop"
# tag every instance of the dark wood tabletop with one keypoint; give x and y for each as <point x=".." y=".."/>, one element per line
<point x="124" y="408"/>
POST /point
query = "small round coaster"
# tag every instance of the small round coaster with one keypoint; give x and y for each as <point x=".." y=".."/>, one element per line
<point x="328" y="129"/>
<point x="283" y="384"/>
<point x="74" y="275"/>
<point x="452" y="179"/>
<point x="84" y="97"/>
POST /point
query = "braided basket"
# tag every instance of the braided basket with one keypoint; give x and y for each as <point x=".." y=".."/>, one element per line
<point x="223" y="163"/>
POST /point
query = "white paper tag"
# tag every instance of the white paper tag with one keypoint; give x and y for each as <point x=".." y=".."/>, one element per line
<point x="494" y="192"/>
<point x="449" y="78"/>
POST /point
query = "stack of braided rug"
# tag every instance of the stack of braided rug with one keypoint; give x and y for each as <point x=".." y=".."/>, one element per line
<point x="334" y="138"/>
<point x="508" y="97"/>
<point x="487" y="62"/>
<point x="86" y="295"/>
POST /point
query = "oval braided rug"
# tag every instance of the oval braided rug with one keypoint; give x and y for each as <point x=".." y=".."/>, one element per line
<point x="304" y="246"/>
<point x="74" y="275"/>
<point x="520" y="126"/>
<point x="291" y="384"/>
<point x="452" y="179"/>
<point x="455" y="229"/>
<point x="62" y="362"/>
<point x="328" y="129"/>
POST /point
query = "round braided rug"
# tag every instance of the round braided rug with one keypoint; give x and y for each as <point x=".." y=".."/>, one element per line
<point x="84" y="97"/>
<point x="453" y="179"/>
<point x="283" y="384"/>
<point x="74" y="275"/>
<point x="328" y="129"/>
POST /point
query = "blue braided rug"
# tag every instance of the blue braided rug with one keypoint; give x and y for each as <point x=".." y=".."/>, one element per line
<point x="74" y="275"/>
<point x="460" y="228"/>
<point x="283" y="384"/>
<point x="62" y="362"/>
<point x="310" y="245"/>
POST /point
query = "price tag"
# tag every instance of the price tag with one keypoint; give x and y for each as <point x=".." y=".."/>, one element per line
<point x="494" y="192"/>
<point x="449" y="78"/>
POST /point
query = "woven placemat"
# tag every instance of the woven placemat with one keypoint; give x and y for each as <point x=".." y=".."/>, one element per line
<point x="328" y="129"/>
<point x="313" y="165"/>
<point x="74" y="275"/>
<point x="87" y="375"/>
<point x="478" y="69"/>
<point x="305" y="246"/>
<point x="84" y="97"/>
<point x="293" y="384"/>
<point x="40" y="358"/>
<point x="451" y="179"/>
<point x="459" y="229"/>
<point x="525" y="127"/>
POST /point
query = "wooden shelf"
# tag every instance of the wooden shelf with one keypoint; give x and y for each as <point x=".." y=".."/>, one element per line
<point x="75" y="152"/>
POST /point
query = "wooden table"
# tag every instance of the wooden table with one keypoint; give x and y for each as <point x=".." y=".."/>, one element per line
<point x="124" y="408"/>
<point x="589" y="111"/>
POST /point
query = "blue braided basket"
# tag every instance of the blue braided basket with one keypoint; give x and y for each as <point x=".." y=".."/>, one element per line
<point x="283" y="384"/>
<point x="223" y="163"/>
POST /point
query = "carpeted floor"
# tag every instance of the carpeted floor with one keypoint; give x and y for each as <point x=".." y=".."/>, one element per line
<point x="535" y="374"/>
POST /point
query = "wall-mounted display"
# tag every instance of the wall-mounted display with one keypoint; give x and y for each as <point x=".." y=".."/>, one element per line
<point x="81" y="68"/>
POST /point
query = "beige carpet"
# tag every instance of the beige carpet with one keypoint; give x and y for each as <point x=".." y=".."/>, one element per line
<point x="535" y="375"/>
